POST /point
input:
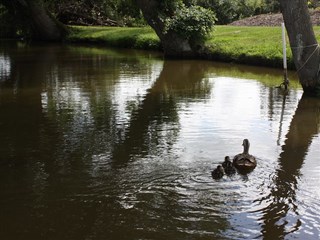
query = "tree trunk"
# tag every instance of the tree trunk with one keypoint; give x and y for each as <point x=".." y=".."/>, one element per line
<point x="304" y="46"/>
<point x="42" y="25"/>
<point x="173" y="45"/>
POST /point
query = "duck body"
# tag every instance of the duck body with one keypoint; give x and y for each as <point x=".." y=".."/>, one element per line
<point x="245" y="162"/>
<point x="228" y="166"/>
<point x="218" y="172"/>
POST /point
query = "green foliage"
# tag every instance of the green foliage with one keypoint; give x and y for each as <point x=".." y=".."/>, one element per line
<point x="168" y="6"/>
<point x="271" y="6"/>
<point x="124" y="12"/>
<point x="231" y="10"/>
<point x="193" y="23"/>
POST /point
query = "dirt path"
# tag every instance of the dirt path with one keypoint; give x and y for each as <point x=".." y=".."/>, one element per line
<point x="272" y="19"/>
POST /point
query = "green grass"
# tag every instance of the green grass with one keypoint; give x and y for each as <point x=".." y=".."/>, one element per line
<point x="248" y="45"/>
<point x="136" y="37"/>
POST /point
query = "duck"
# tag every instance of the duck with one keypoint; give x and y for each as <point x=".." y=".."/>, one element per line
<point x="244" y="162"/>
<point x="228" y="166"/>
<point x="218" y="172"/>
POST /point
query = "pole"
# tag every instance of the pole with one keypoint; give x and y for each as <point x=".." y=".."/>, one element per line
<point x="284" y="48"/>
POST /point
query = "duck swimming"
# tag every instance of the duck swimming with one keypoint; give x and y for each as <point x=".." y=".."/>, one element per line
<point x="218" y="172"/>
<point x="244" y="162"/>
<point x="228" y="166"/>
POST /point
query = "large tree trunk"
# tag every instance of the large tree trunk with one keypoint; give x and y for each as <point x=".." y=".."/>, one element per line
<point x="42" y="25"/>
<point x="303" y="43"/>
<point x="173" y="44"/>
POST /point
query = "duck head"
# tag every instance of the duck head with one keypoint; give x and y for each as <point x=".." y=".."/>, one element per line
<point x="220" y="169"/>
<point x="246" y="145"/>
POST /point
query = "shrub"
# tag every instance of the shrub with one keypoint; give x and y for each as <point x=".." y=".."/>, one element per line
<point x="231" y="10"/>
<point x="193" y="23"/>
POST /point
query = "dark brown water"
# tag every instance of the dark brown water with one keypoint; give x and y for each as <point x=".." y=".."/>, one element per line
<point x="107" y="144"/>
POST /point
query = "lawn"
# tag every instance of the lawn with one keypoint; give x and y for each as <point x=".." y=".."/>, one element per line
<point x="134" y="37"/>
<point x="250" y="45"/>
<point x="247" y="45"/>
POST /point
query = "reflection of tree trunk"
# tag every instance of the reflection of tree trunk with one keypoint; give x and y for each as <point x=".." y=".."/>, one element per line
<point x="159" y="104"/>
<point x="304" y="126"/>
<point x="21" y="135"/>
<point x="24" y="124"/>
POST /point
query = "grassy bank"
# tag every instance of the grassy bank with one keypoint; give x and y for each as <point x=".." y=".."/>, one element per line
<point x="247" y="45"/>
<point x="135" y="37"/>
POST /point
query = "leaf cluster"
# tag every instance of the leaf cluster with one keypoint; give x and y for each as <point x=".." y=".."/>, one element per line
<point x="193" y="23"/>
<point x="95" y="12"/>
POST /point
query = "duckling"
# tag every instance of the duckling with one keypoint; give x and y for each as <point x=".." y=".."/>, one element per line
<point x="218" y="172"/>
<point x="245" y="162"/>
<point x="228" y="166"/>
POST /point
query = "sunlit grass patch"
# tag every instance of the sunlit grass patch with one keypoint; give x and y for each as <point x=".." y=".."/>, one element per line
<point x="251" y="45"/>
<point x="140" y="38"/>
<point x="248" y="45"/>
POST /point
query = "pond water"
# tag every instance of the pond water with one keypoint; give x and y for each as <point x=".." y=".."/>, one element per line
<point x="99" y="143"/>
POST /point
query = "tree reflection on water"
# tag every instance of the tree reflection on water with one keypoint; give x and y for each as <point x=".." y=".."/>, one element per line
<point x="85" y="132"/>
<point x="183" y="79"/>
<point x="303" y="128"/>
